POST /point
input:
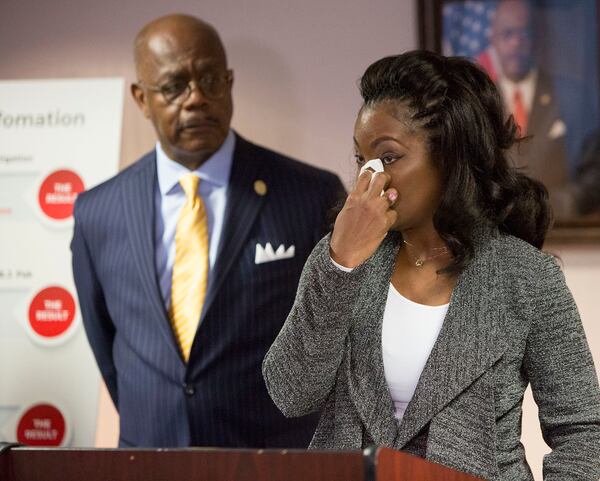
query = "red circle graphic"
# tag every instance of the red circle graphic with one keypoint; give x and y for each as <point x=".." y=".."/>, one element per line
<point x="58" y="192"/>
<point x="41" y="425"/>
<point x="51" y="312"/>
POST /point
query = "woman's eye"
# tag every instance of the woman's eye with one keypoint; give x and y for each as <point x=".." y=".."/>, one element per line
<point x="389" y="159"/>
<point x="359" y="160"/>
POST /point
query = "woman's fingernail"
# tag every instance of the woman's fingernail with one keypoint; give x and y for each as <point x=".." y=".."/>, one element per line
<point x="392" y="196"/>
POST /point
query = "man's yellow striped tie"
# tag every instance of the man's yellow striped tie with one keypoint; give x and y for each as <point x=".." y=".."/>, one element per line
<point x="190" y="270"/>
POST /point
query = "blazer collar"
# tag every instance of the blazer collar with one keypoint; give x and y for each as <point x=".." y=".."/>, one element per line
<point x="367" y="384"/>
<point x="243" y="205"/>
<point x="468" y="344"/>
<point x="138" y="205"/>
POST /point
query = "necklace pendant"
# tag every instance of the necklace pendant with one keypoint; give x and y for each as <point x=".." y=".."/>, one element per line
<point x="419" y="262"/>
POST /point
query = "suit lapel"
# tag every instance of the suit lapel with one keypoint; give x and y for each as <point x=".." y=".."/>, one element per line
<point x="139" y="208"/>
<point x="243" y="206"/>
<point x="542" y="109"/>
<point x="468" y="344"/>
<point x="367" y="384"/>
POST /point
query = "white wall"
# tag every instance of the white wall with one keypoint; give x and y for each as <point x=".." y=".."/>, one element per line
<point x="296" y="68"/>
<point x="296" y="63"/>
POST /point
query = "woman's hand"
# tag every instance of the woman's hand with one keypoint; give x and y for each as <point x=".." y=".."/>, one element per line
<point x="364" y="221"/>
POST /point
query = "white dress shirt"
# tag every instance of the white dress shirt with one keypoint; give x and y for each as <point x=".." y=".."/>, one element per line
<point x="525" y="86"/>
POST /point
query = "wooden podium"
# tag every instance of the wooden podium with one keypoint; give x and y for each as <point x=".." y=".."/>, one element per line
<point x="198" y="464"/>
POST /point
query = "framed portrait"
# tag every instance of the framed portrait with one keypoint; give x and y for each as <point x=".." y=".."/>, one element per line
<point x="543" y="56"/>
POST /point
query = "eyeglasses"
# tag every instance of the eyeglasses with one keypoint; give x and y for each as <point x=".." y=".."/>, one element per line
<point x="176" y="91"/>
<point x="521" y="34"/>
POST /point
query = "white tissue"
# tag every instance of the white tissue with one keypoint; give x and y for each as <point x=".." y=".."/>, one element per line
<point x="374" y="164"/>
<point x="377" y="166"/>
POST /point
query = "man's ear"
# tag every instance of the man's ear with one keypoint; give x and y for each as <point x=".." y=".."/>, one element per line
<point x="140" y="99"/>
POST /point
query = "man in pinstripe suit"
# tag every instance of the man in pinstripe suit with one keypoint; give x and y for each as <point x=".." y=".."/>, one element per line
<point x="265" y="213"/>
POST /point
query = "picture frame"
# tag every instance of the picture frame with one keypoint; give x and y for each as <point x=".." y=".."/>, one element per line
<point x="549" y="49"/>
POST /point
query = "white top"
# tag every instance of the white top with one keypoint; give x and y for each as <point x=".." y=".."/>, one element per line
<point x="408" y="334"/>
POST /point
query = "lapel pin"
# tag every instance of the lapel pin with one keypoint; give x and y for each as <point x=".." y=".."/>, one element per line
<point x="545" y="99"/>
<point x="260" y="187"/>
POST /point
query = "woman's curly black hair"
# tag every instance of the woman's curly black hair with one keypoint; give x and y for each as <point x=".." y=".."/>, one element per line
<point x="459" y="107"/>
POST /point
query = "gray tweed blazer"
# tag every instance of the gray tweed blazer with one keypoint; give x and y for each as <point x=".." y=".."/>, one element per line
<point x="511" y="321"/>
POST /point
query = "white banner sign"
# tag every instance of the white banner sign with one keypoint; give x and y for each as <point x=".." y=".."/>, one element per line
<point x="57" y="138"/>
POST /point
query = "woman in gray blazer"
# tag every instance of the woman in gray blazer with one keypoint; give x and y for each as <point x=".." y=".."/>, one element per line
<point x="433" y="275"/>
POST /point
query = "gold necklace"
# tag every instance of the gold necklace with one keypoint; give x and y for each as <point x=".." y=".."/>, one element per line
<point x="419" y="261"/>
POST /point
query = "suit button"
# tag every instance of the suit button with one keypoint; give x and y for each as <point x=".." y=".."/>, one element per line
<point x="189" y="390"/>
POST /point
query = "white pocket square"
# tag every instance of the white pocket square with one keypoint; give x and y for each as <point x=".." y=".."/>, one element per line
<point x="267" y="254"/>
<point x="558" y="129"/>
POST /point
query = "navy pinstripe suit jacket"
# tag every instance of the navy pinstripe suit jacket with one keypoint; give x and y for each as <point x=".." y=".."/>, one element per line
<point x="218" y="398"/>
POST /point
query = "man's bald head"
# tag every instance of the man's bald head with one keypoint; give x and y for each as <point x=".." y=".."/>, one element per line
<point x="508" y="9"/>
<point x="184" y="86"/>
<point x="158" y="34"/>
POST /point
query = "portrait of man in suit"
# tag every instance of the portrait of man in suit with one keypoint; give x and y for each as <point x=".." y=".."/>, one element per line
<point x="529" y="95"/>
<point x="527" y="48"/>
<point x="187" y="262"/>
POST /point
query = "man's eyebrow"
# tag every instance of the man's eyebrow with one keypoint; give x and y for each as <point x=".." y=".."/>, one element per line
<point x="179" y="70"/>
<point x="170" y="73"/>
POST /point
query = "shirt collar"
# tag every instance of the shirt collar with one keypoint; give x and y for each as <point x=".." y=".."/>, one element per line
<point x="526" y="87"/>
<point x="215" y="170"/>
<point x="528" y="82"/>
